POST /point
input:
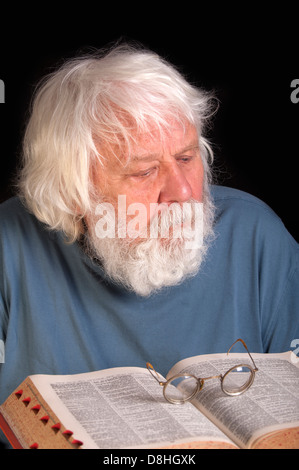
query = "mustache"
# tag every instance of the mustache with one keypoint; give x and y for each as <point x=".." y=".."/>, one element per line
<point x="147" y="221"/>
<point x="176" y="219"/>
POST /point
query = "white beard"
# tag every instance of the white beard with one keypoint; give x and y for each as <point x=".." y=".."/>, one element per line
<point x="146" y="265"/>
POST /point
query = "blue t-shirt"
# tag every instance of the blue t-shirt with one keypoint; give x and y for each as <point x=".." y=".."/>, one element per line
<point x="59" y="314"/>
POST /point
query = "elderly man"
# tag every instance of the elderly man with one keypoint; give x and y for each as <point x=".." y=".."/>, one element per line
<point x="118" y="248"/>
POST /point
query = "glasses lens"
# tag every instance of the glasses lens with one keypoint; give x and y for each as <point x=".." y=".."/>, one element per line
<point x="237" y="380"/>
<point x="181" y="388"/>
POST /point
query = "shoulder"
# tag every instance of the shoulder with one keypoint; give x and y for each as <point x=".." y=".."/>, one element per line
<point x="13" y="212"/>
<point x="240" y="212"/>
<point x="18" y="227"/>
<point x="16" y="221"/>
<point x="12" y="204"/>
<point x="225" y="197"/>
<point x="235" y="204"/>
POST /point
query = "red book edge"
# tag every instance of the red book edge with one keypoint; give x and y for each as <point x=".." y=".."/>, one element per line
<point x="9" y="433"/>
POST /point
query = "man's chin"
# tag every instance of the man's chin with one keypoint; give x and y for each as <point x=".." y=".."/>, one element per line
<point x="146" y="266"/>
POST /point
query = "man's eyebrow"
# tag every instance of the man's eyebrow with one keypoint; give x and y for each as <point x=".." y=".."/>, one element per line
<point x="154" y="156"/>
<point x="193" y="146"/>
<point x="145" y="157"/>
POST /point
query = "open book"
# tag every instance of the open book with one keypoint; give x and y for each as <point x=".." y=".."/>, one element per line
<point x="125" y="408"/>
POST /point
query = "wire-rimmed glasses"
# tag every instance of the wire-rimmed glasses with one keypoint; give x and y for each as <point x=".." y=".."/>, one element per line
<point x="182" y="388"/>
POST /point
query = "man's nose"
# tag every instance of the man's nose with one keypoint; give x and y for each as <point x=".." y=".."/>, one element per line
<point x="175" y="186"/>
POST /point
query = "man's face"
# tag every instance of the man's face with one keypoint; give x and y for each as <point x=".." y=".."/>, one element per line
<point x="154" y="172"/>
<point x="168" y="176"/>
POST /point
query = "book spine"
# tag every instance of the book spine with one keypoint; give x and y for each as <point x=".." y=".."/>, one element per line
<point x="28" y="422"/>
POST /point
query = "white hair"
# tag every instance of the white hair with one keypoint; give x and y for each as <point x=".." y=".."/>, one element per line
<point x="100" y="98"/>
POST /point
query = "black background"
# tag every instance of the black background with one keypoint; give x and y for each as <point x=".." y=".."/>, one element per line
<point x="247" y="55"/>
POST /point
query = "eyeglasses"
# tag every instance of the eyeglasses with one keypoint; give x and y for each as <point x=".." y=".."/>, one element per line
<point x="182" y="388"/>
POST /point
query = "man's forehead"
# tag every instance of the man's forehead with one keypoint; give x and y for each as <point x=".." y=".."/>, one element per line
<point x="178" y="151"/>
<point x="152" y="145"/>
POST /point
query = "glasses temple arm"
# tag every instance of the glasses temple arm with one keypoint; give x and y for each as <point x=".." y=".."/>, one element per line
<point x="245" y="346"/>
<point x="153" y="373"/>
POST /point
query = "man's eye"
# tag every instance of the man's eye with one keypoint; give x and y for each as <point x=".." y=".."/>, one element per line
<point x="185" y="158"/>
<point x="145" y="173"/>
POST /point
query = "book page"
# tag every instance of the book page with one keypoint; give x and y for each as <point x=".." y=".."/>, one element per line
<point x="270" y="404"/>
<point x="123" y="408"/>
